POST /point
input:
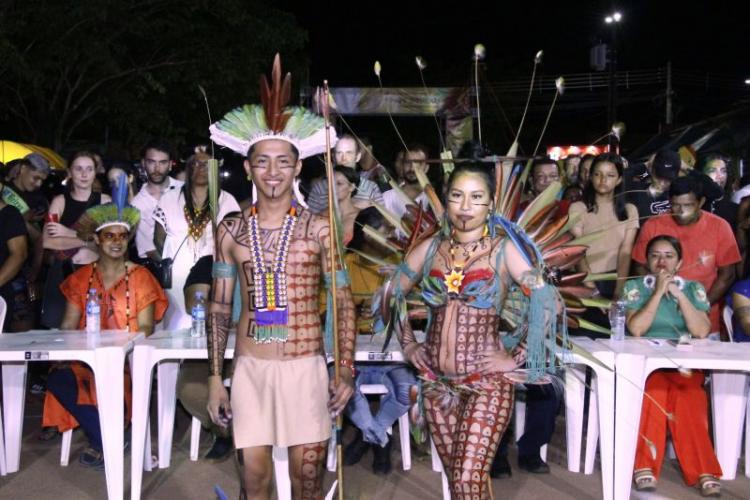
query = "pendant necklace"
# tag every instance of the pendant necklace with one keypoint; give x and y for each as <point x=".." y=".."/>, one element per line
<point x="269" y="281"/>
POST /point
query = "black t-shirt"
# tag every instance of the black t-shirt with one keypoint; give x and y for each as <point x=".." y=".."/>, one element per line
<point x="647" y="205"/>
<point x="11" y="227"/>
<point x="724" y="208"/>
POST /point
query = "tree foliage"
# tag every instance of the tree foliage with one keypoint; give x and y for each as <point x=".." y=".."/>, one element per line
<point x="117" y="72"/>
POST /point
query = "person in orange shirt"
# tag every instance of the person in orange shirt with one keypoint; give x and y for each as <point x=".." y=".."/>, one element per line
<point x="130" y="299"/>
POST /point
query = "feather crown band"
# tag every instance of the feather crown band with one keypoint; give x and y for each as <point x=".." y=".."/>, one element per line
<point x="247" y="125"/>
<point x="117" y="213"/>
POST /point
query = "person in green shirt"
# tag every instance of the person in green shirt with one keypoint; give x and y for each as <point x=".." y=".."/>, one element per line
<point x="662" y="304"/>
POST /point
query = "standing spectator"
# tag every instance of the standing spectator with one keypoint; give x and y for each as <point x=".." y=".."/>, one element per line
<point x="346" y="154"/>
<point x="70" y="252"/>
<point x="604" y="207"/>
<point x="118" y="169"/>
<point x="415" y="158"/>
<point x="13" y="252"/>
<point x="370" y="168"/>
<point x="572" y="164"/>
<point x="156" y="160"/>
<point x="651" y="195"/>
<point x="184" y="233"/>
<point x="709" y="248"/>
<point x="25" y="178"/>
<point x="715" y="167"/>
<point x="583" y="170"/>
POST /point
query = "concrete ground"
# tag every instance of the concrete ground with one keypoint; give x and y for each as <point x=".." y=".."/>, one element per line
<point x="41" y="477"/>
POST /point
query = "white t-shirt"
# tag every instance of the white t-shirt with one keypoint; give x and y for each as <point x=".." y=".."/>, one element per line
<point x="146" y="204"/>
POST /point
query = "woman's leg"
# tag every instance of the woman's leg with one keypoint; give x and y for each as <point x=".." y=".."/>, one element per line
<point x="652" y="434"/>
<point x="483" y="421"/>
<point x="690" y="427"/>
<point x="63" y="385"/>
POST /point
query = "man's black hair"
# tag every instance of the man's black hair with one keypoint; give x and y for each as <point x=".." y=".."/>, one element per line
<point x="158" y="145"/>
<point x="686" y="185"/>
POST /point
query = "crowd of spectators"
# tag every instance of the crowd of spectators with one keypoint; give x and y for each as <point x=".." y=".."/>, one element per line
<point x="696" y="216"/>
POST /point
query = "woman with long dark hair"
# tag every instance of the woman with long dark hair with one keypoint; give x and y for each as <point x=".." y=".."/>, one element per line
<point x="603" y="208"/>
<point x="466" y="272"/>
<point x="184" y="232"/>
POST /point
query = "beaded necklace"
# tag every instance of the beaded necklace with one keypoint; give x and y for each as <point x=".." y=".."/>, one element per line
<point x="455" y="276"/>
<point x="196" y="225"/>
<point x="271" y="314"/>
<point x="127" y="292"/>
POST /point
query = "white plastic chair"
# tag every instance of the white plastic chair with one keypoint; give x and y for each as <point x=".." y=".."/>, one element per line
<point x="403" y="430"/>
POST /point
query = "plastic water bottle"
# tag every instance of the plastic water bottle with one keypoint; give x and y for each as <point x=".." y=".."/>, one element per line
<point x="617" y="319"/>
<point x="93" y="316"/>
<point x="199" y="316"/>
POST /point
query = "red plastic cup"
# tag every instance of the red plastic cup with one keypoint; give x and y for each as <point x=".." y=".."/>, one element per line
<point x="50" y="217"/>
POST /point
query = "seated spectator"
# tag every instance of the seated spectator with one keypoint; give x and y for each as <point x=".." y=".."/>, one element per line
<point x="663" y="305"/>
<point x="130" y="299"/>
<point x="192" y="383"/>
<point x="398" y="378"/>
<point x="13" y="252"/>
<point x="738" y="299"/>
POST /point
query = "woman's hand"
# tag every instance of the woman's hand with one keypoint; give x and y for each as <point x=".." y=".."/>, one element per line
<point x="57" y="230"/>
<point x="416" y="354"/>
<point x="497" y="361"/>
<point x="663" y="280"/>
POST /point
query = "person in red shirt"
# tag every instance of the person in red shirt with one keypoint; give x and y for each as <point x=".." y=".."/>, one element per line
<point x="710" y="248"/>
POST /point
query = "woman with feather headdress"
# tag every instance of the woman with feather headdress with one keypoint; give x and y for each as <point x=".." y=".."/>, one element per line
<point x="130" y="299"/>
<point x="470" y="274"/>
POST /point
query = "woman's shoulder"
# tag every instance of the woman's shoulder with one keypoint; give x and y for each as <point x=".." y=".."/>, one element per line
<point x="577" y="207"/>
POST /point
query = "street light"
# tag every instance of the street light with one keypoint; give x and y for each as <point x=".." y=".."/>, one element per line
<point x="612" y="20"/>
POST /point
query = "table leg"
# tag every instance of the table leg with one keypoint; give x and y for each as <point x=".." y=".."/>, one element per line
<point x="605" y="396"/>
<point x="728" y="401"/>
<point x="14" y="388"/>
<point x="575" y="393"/>
<point x="141" y="371"/>
<point x="167" y="401"/>
<point x="630" y="383"/>
<point x="108" y="366"/>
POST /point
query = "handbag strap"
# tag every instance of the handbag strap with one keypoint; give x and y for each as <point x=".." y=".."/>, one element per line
<point x="180" y="247"/>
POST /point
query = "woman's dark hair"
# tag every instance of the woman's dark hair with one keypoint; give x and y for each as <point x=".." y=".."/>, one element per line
<point x="187" y="187"/>
<point x="483" y="170"/>
<point x="589" y="194"/>
<point x="370" y="216"/>
<point x="351" y="176"/>
<point x="669" y="239"/>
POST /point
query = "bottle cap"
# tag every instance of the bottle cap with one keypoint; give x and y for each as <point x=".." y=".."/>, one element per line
<point x="92" y="290"/>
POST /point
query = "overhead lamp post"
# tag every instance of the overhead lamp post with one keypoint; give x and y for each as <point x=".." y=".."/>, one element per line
<point x="613" y="20"/>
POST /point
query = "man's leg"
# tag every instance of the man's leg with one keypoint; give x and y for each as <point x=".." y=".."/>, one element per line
<point x="358" y="411"/>
<point x="542" y="403"/>
<point x="256" y="472"/>
<point x="306" y="463"/>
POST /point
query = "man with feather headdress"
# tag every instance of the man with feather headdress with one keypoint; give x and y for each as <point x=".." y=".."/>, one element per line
<point x="279" y="252"/>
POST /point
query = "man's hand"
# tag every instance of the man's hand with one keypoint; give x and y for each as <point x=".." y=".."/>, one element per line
<point x="218" y="405"/>
<point x="340" y="394"/>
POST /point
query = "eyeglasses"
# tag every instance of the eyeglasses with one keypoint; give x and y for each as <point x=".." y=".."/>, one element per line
<point x="114" y="237"/>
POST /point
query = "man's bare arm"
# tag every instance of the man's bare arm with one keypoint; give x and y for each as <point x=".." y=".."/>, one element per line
<point x="220" y="307"/>
<point x="724" y="279"/>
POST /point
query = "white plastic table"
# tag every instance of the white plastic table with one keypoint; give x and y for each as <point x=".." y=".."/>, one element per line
<point x="167" y="348"/>
<point x="635" y="359"/>
<point x="604" y="390"/>
<point x="104" y="353"/>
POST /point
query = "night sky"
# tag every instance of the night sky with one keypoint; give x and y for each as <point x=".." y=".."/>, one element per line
<point x="345" y="38"/>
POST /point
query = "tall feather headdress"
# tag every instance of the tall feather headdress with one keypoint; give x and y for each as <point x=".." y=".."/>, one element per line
<point x="247" y="125"/>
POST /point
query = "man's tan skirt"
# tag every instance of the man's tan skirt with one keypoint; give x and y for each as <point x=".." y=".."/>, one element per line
<point x="280" y="403"/>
